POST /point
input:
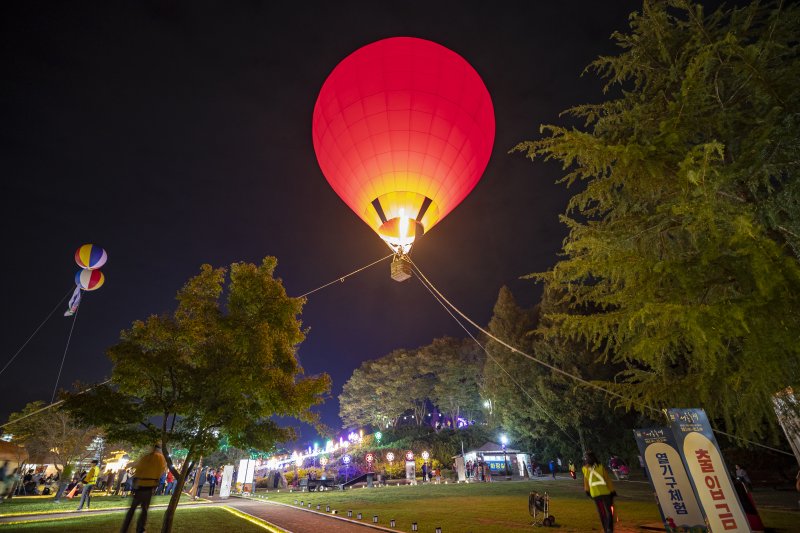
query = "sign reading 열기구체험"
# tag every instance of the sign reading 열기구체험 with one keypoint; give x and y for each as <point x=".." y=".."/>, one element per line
<point x="680" y="510"/>
<point x="707" y="470"/>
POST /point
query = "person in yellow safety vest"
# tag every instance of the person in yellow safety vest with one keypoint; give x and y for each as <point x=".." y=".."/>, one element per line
<point x="89" y="481"/>
<point x="598" y="486"/>
<point x="148" y="471"/>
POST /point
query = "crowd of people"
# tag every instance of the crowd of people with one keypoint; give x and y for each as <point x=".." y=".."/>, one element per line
<point x="478" y="470"/>
<point x="208" y="476"/>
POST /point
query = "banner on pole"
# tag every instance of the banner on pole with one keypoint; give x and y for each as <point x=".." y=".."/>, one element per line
<point x="709" y="475"/>
<point x="225" y="487"/>
<point x="677" y="502"/>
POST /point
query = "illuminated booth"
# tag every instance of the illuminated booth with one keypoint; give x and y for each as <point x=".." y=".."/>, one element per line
<point x="493" y="455"/>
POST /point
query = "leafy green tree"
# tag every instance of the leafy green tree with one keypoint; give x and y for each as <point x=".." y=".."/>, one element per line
<point x="417" y="381"/>
<point x="207" y="370"/>
<point x="374" y="394"/>
<point x="683" y="238"/>
<point x="52" y="433"/>
<point x="457" y="367"/>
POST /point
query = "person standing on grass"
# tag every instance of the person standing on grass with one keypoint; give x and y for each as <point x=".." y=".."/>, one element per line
<point x="148" y="472"/>
<point x="212" y="481"/>
<point x="598" y="486"/>
<point x="170" y="483"/>
<point x="63" y="480"/>
<point x="201" y="480"/>
<point x="89" y="481"/>
<point x="572" y="469"/>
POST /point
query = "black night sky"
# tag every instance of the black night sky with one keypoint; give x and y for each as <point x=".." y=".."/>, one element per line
<point x="179" y="133"/>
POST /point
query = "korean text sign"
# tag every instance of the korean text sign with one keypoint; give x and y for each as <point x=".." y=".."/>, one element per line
<point x="679" y="507"/>
<point x="707" y="470"/>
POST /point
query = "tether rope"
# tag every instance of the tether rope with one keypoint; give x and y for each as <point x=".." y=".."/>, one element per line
<point x="495" y="361"/>
<point x="54" y="404"/>
<point x="342" y="278"/>
<point x="36" y="331"/>
<point x="569" y="375"/>
<point x="64" y="357"/>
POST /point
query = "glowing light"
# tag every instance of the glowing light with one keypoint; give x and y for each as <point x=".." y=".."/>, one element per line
<point x="390" y="457"/>
<point x="378" y="436"/>
<point x="426" y="455"/>
<point x="409" y="455"/>
<point x="503" y="439"/>
<point x="346" y="459"/>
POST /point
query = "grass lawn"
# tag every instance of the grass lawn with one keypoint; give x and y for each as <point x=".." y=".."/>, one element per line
<point x="21" y="505"/>
<point x="498" y="507"/>
<point x="187" y="520"/>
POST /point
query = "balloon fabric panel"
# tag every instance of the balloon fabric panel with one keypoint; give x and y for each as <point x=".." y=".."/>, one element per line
<point x="90" y="256"/>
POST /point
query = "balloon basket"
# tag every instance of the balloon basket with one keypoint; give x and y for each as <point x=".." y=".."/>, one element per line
<point x="401" y="268"/>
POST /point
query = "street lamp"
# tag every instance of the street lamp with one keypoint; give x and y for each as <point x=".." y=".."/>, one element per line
<point x="504" y="442"/>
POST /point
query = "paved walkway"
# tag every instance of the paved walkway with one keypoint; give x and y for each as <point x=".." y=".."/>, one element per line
<point x="297" y="520"/>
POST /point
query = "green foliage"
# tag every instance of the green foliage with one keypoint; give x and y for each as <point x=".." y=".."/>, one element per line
<point x="375" y="393"/>
<point x="208" y="370"/>
<point x="443" y="374"/>
<point x="456" y="365"/>
<point x="547" y="412"/>
<point x="681" y="260"/>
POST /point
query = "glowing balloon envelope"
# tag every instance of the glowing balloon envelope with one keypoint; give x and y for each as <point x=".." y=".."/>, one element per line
<point x="90" y="256"/>
<point x="403" y="129"/>
<point x="89" y="280"/>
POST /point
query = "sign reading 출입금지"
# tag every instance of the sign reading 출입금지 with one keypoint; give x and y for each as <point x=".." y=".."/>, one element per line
<point x="677" y="502"/>
<point x="709" y="475"/>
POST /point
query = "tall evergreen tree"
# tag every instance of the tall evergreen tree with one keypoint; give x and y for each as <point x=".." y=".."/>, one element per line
<point x="553" y="412"/>
<point x="682" y="256"/>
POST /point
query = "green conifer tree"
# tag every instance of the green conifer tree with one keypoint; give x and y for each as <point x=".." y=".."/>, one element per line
<point x="681" y="261"/>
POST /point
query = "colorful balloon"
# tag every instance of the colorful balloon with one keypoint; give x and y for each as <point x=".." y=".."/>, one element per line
<point x="403" y="129"/>
<point x="90" y="256"/>
<point x="89" y="280"/>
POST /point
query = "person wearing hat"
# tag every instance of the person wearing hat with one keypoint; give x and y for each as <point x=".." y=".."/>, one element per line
<point x="148" y="471"/>
<point x="89" y="481"/>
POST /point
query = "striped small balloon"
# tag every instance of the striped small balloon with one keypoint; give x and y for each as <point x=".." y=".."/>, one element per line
<point x="89" y="280"/>
<point x="90" y="256"/>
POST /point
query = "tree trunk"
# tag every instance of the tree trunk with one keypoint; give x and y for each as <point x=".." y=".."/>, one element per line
<point x="581" y="439"/>
<point x="169" y="514"/>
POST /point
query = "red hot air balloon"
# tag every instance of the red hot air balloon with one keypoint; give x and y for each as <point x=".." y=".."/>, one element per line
<point x="403" y="129"/>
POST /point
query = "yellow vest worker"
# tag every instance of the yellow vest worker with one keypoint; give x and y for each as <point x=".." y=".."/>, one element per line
<point x="92" y="475"/>
<point x="597" y="484"/>
<point x="89" y="481"/>
<point x="596" y="481"/>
